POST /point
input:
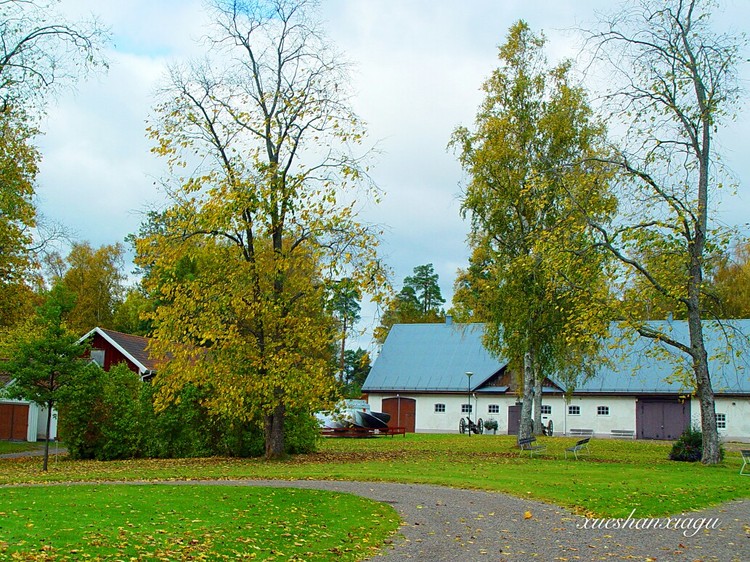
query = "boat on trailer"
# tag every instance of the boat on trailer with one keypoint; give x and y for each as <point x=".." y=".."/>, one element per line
<point x="353" y="413"/>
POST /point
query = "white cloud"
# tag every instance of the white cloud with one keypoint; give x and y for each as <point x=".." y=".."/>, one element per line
<point x="419" y="67"/>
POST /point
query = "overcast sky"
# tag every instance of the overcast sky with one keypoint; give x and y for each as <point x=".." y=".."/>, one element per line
<point x="418" y="69"/>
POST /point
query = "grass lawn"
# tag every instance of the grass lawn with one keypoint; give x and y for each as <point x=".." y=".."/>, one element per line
<point x="19" y="446"/>
<point x="617" y="477"/>
<point x="173" y="522"/>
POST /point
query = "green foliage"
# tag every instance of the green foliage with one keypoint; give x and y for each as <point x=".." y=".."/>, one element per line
<point x="356" y="368"/>
<point x="43" y="356"/>
<point x="535" y="275"/>
<point x="689" y="447"/>
<point x="264" y="219"/>
<point x="419" y="301"/>
<point x="95" y="277"/>
<point x="19" y="161"/>
<point x="107" y="415"/>
<point x="491" y="424"/>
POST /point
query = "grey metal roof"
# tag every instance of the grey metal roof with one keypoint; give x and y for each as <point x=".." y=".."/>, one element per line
<point x="432" y="357"/>
<point x="641" y="365"/>
<point x="436" y="357"/>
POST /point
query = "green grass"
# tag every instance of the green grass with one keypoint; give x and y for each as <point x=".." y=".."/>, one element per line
<point x="171" y="522"/>
<point x="617" y="477"/>
<point x="17" y="447"/>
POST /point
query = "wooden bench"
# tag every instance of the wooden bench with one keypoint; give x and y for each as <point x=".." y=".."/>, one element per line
<point x="581" y="432"/>
<point x="530" y="444"/>
<point x="745" y="461"/>
<point x="393" y="431"/>
<point x="579" y="448"/>
<point x="623" y="433"/>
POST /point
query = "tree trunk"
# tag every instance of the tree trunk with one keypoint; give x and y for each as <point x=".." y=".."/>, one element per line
<point x="538" y="380"/>
<point x="275" y="448"/>
<point x="524" y="431"/>
<point x="45" y="463"/>
<point x="704" y="391"/>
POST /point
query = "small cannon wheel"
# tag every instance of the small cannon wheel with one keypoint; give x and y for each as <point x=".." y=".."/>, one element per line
<point x="462" y="425"/>
<point x="480" y="426"/>
<point x="549" y="428"/>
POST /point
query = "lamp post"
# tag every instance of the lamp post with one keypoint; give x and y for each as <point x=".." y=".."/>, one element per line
<point x="468" y="376"/>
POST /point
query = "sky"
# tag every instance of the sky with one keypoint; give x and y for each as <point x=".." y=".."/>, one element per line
<point x="418" y="68"/>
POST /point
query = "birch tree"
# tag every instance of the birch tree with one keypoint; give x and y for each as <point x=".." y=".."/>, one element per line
<point x="674" y="84"/>
<point x="534" y="276"/>
<point x="259" y="139"/>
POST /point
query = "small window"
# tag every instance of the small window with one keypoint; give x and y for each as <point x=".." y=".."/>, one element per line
<point x="97" y="356"/>
<point x="602" y="410"/>
<point x="465" y="408"/>
<point x="721" y="421"/>
<point x="574" y="410"/>
<point x="546" y="410"/>
<point x="493" y="409"/>
<point x="439" y="408"/>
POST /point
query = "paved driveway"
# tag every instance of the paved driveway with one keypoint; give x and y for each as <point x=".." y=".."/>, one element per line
<point x="449" y="525"/>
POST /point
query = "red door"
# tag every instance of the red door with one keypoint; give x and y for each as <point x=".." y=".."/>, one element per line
<point x="403" y="412"/>
<point x="14" y="421"/>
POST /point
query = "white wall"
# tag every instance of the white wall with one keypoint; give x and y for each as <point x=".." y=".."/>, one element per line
<point x="736" y="414"/>
<point x="40" y="427"/>
<point x="622" y="412"/>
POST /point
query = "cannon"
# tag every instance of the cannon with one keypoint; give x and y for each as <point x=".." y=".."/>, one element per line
<point x="465" y="424"/>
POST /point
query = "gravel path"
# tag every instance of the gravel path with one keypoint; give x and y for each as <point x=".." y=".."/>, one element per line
<point x="447" y="525"/>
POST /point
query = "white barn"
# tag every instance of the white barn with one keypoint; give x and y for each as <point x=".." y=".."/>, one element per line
<point x="420" y="378"/>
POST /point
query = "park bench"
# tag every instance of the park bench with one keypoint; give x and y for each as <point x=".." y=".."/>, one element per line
<point x="581" y="432"/>
<point x="579" y="448"/>
<point x="623" y="433"/>
<point x="393" y="431"/>
<point x="745" y="461"/>
<point x="530" y="444"/>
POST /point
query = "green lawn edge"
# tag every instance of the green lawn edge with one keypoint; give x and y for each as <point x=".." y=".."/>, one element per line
<point x="617" y="477"/>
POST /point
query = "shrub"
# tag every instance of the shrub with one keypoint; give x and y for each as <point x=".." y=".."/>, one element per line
<point x="110" y="415"/>
<point x="689" y="447"/>
<point x="490" y="424"/>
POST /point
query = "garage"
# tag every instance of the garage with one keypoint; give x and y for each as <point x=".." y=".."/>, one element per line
<point x="14" y="421"/>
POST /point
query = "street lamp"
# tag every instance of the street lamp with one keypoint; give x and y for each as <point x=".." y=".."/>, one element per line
<point x="468" y="376"/>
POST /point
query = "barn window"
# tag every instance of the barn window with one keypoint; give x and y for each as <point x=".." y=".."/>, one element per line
<point x="439" y="408"/>
<point x="493" y="409"/>
<point x="602" y="410"/>
<point x="97" y="356"/>
<point x="574" y="410"/>
<point x="546" y="409"/>
<point x="465" y="408"/>
<point x="721" y="421"/>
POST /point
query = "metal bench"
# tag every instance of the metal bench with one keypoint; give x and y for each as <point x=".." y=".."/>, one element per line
<point x="530" y="444"/>
<point x="623" y="433"/>
<point x="745" y="461"/>
<point x="581" y="432"/>
<point x="579" y="448"/>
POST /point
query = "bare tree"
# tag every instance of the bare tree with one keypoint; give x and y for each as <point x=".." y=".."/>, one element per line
<point x="675" y="80"/>
<point x="40" y="51"/>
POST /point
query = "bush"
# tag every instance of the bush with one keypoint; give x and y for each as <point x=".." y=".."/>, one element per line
<point x="110" y="415"/>
<point x="689" y="447"/>
<point x="490" y="424"/>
